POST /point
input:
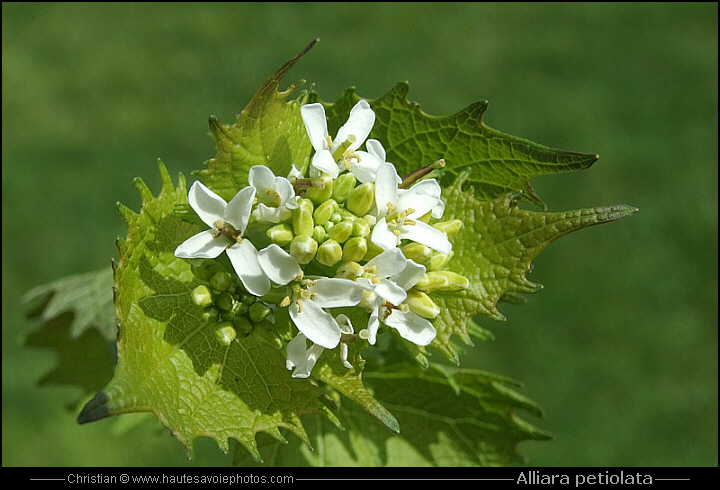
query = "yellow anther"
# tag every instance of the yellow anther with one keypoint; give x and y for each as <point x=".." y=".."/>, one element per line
<point x="274" y="196"/>
<point x="409" y="221"/>
<point x="285" y="302"/>
<point x="328" y="138"/>
<point x="299" y="303"/>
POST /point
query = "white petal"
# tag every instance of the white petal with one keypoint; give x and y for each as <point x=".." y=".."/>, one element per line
<point x="269" y="214"/>
<point x="373" y="325"/>
<point x="345" y="324"/>
<point x="410" y="275"/>
<point x="359" y="124"/>
<point x="422" y="197"/>
<point x="388" y="263"/>
<point x="389" y="291"/>
<point x="318" y="325"/>
<point x="295" y="352"/>
<point x="295" y="173"/>
<point x="261" y="178"/>
<point x="204" y="245"/>
<point x="375" y="148"/>
<point x="238" y="209"/>
<point x="335" y="292"/>
<point x="313" y="116"/>
<point x="438" y="209"/>
<point x="286" y="191"/>
<point x="365" y="170"/>
<point x="244" y="259"/>
<point x="427" y="235"/>
<point x="279" y="265"/>
<point x="411" y="327"/>
<point x="324" y="162"/>
<point x="386" y="188"/>
<point x="382" y="236"/>
<point x="300" y="357"/>
<point x="208" y="205"/>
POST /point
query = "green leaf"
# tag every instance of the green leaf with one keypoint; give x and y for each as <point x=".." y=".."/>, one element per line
<point x="449" y="417"/>
<point x="269" y="132"/>
<point x="494" y="250"/>
<point x="169" y="361"/>
<point x="89" y="296"/>
<point x="500" y="163"/>
<point x="77" y="322"/>
<point x="86" y="360"/>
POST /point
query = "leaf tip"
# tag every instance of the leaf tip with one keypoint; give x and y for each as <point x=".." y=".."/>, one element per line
<point x="95" y="409"/>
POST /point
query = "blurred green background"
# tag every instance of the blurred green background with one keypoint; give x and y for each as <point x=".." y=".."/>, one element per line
<point x="620" y="348"/>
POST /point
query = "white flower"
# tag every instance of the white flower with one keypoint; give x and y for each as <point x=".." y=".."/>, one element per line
<point x="409" y="325"/>
<point x="227" y="222"/>
<point x="379" y="288"/>
<point x="276" y="196"/>
<point x="357" y="128"/>
<point x="365" y="164"/>
<point x="310" y="296"/>
<point x="303" y="359"/>
<point x="390" y="291"/>
<point x="399" y="210"/>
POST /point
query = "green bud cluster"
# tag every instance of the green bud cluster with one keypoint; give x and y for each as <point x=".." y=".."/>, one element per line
<point x="225" y="304"/>
<point x="330" y="224"/>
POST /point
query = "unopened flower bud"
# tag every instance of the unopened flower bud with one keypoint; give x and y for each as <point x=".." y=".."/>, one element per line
<point x="221" y="281"/>
<point x="341" y="231"/>
<point x="204" y="268"/>
<point x="201" y="296"/>
<point x="224" y="301"/>
<point x="302" y="219"/>
<point x="258" y="311"/>
<point x="242" y="324"/>
<point x="421" y="304"/>
<point x="446" y="281"/>
<point x="210" y="314"/>
<point x="416" y="252"/>
<point x="372" y="251"/>
<point x="303" y="249"/>
<point x="437" y="261"/>
<point x="319" y="234"/>
<point x="360" y="228"/>
<point x="322" y="189"/>
<point x="324" y="211"/>
<point x="342" y="187"/>
<point x="350" y="270"/>
<point x="281" y="234"/>
<point x="268" y="337"/>
<point x="225" y="333"/>
<point x="449" y="227"/>
<point x="329" y="253"/>
<point x="361" y="199"/>
<point x="355" y="249"/>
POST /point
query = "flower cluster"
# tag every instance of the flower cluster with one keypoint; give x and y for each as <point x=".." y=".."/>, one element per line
<point x="352" y="233"/>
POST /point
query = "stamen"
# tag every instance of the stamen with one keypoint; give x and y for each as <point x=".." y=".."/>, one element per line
<point x="418" y="174"/>
<point x="299" y="303"/>
<point x="285" y="302"/>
